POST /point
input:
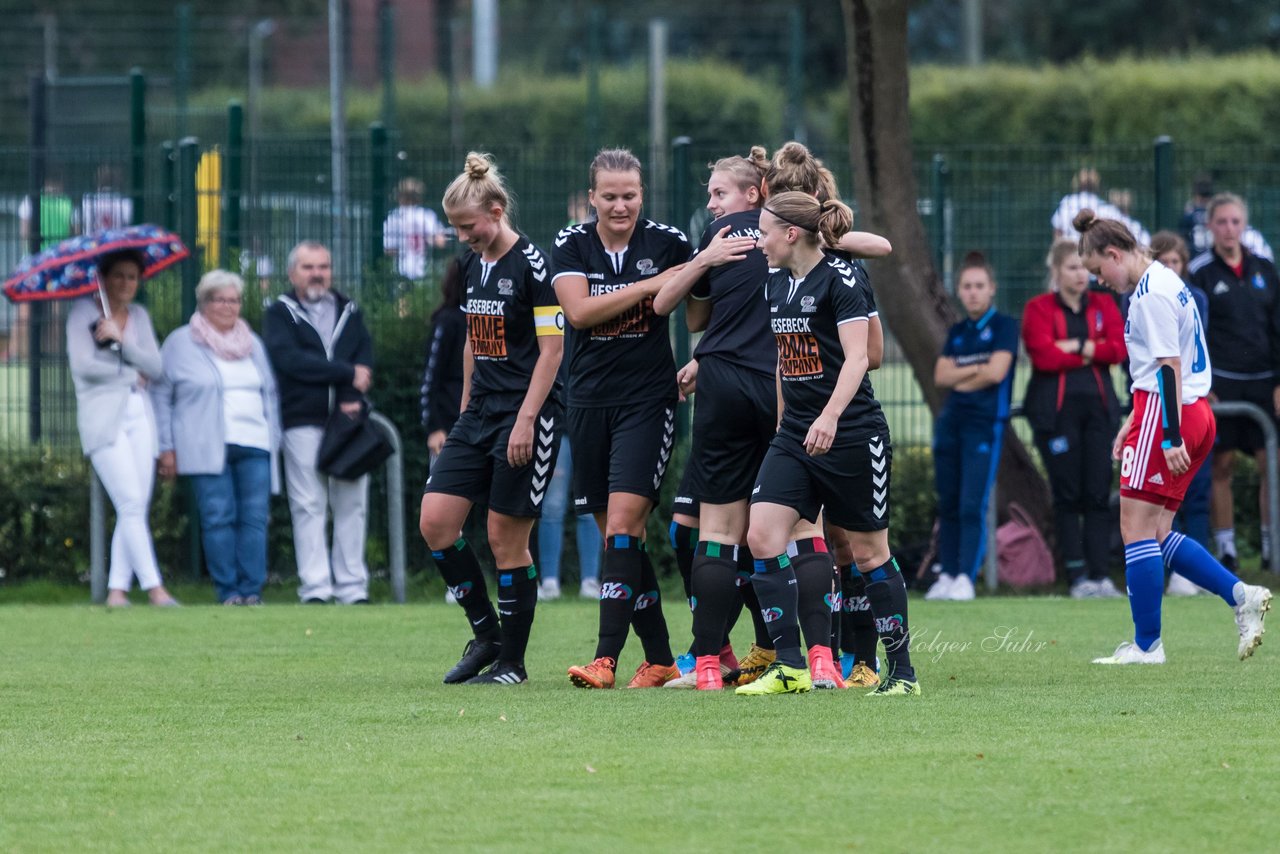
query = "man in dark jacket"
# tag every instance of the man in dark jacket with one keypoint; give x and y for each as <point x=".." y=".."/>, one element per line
<point x="322" y="356"/>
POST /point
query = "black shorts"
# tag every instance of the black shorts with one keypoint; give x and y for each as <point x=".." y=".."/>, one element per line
<point x="473" y="463"/>
<point x="735" y="417"/>
<point x="683" y="501"/>
<point x="851" y="481"/>
<point x="620" y="449"/>
<point x="1241" y="433"/>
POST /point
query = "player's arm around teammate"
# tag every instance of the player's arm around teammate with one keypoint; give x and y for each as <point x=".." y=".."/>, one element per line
<point x="502" y="450"/>
<point x="622" y="395"/>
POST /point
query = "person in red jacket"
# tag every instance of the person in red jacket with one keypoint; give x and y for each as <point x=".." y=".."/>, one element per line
<point x="1074" y="336"/>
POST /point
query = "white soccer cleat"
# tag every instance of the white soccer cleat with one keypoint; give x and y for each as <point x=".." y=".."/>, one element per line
<point x="940" y="589"/>
<point x="1255" y="601"/>
<point x="1180" y="585"/>
<point x="1130" y="653"/>
<point x="961" y="589"/>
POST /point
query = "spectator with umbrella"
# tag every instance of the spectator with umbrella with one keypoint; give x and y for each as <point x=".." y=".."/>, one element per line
<point x="113" y="354"/>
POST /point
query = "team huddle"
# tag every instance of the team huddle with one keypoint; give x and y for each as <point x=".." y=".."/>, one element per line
<point x="783" y="508"/>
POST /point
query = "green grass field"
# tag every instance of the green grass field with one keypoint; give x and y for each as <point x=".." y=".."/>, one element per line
<point x="308" y="728"/>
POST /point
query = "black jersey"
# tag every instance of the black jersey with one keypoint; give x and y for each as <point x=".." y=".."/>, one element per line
<point x="628" y="358"/>
<point x="509" y="304"/>
<point x="1243" y="326"/>
<point x="738" y="329"/>
<point x="805" y="316"/>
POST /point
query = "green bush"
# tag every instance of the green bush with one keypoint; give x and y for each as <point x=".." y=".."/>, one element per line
<point x="1092" y="102"/>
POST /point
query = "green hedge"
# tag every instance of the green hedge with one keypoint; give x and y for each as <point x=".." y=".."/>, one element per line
<point x="1199" y="100"/>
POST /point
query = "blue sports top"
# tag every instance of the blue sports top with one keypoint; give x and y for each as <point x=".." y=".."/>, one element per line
<point x="973" y="342"/>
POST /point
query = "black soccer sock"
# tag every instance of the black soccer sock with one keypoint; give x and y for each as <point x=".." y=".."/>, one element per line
<point x="746" y="568"/>
<point x="619" y="581"/>
<point x="650" y="624"/>
<point x="715" y="596"/>
<point x="887" y="593"/>
<point x="860" y="636"/>
<point x="812" y="566"/>
<point x="775" y="584"/>
<point x="837" y="608"/>
<point x="517" y="598"/>
<point x="461" y="571"/>
<point x="684" y="541"/>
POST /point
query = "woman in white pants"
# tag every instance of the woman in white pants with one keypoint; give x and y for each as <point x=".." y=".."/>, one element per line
<point x="113" y="354"/>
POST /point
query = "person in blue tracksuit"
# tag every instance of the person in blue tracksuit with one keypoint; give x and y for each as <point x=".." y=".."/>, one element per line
<point x="977" y="365"/>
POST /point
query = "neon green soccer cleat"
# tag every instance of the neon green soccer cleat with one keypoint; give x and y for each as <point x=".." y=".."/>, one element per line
<point x="778" y="678"/>
<point x="895" y="687"/>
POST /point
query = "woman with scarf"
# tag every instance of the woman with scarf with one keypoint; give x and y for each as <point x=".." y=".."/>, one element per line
<point x="217" y="414"/>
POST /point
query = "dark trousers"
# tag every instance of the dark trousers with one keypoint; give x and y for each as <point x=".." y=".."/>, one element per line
<point x="966" y="454"/>
<point x="1077" y="455"/>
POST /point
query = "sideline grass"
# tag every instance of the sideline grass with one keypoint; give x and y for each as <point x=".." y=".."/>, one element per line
<point x="326" y="728"/>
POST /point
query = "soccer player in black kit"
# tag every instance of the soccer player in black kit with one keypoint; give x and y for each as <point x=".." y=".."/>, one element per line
<point x="832" y="449"/>
<point x="621" y="403"/>
<point x="503" y="447"/>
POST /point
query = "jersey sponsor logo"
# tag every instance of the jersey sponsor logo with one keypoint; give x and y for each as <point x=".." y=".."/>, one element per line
<point x="834" y="602"/>
<point x="580" y="502"/>
<point x="460" y="591"/>
<point x="632" y="323"/>
<point x="487" y="333"/>
<point x="506" y="287"/>
<point x="548" y="320"/>
<point x="683" y="499"/>
<point x="771" y="615"/>
<point x="615" y="590"/>
<point x="798" y="354"/>
<point x="807" y="304"/>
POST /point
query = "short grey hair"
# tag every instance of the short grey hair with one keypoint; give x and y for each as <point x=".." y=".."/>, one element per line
<point x="309" y="245"/>
<point x="216" y="280"/>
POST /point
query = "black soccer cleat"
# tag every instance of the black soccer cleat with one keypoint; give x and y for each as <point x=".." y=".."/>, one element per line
<point x="501" y="673"/>
<point x="476" y="656"/>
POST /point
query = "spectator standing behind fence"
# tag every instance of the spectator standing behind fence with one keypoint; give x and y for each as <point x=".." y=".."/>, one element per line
<point x="112" y="360"/>
<point x="1074" y="336"/>
<point x="106" y="207"/>
<point x="1194" y="224"/>
<point x="322" y="356"/>
<point x="1192" y="518"/>
<point x="1243" y="331"/>
<point x="977" y="365"/>
<point x="411" y="231"/>
<point x="1085" y="187"/>
<point x="218" y="417"/>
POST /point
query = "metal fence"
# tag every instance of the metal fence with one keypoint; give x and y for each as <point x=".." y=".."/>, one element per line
<point x="245" y="207"/>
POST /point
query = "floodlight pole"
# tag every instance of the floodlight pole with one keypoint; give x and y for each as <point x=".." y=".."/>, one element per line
<point x="337" y="141"/>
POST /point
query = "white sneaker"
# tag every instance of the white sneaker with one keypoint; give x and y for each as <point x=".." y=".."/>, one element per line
<point x="549" y="590"/>
<point x="1254" y="602"/>
<point x="961" y="589"/>
<point x="940" y="589"/>
<point x="590" y="588"/>
<point x="1106" y="589"/>
<point x="1180" y="585"/>
<point x="1085" y="588"/>
<point x="1130" y="653"/>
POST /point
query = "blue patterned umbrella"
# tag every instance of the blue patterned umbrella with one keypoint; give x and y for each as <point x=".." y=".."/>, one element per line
<point x="69" y="269"/>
